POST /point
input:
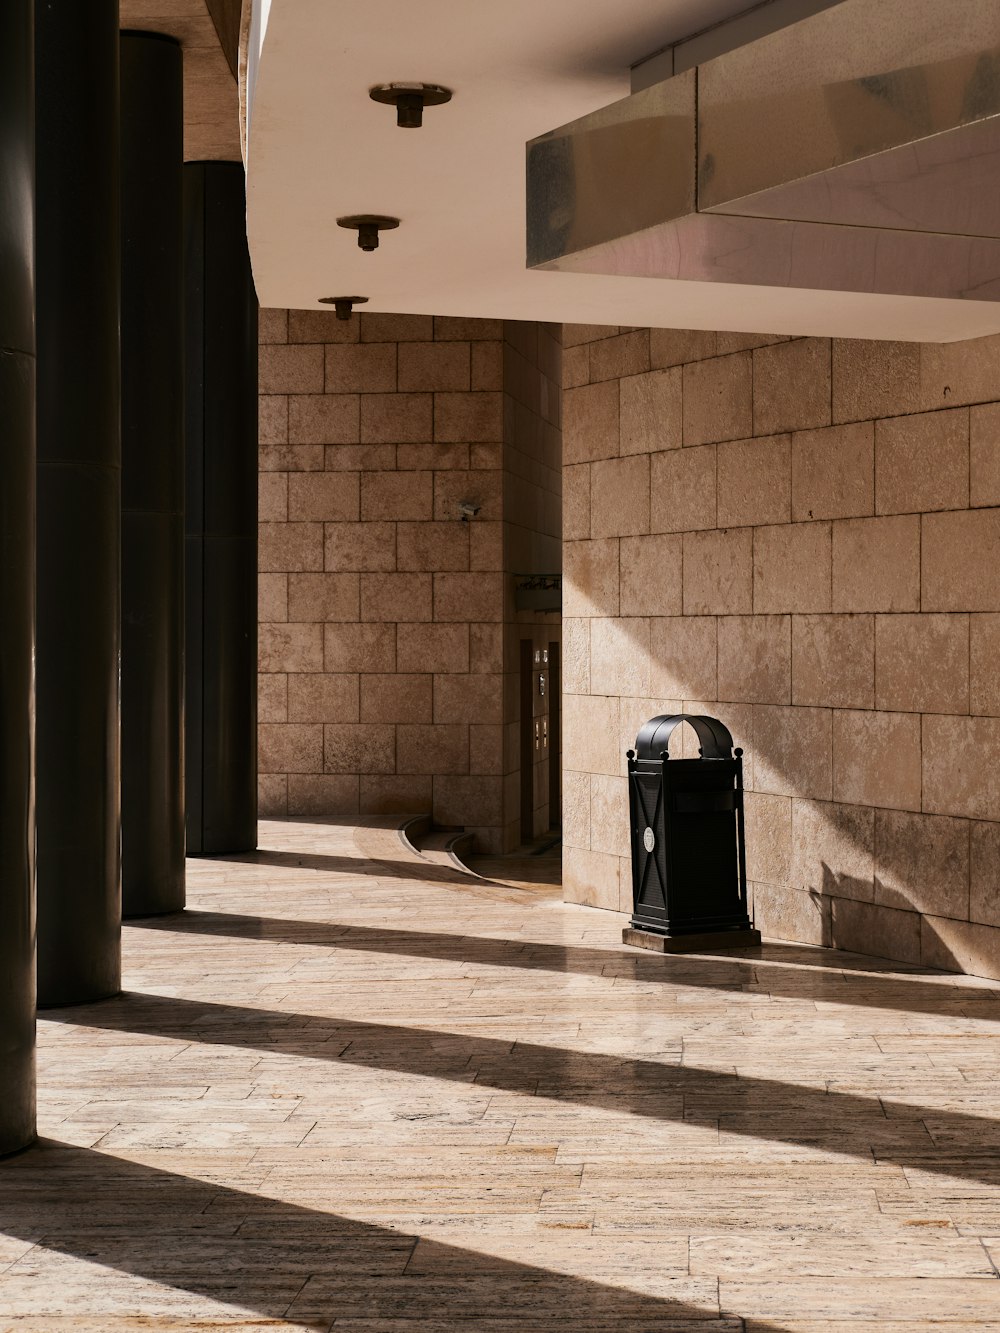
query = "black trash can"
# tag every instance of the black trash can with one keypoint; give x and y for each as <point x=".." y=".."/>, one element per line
<point x="689" y="880"/>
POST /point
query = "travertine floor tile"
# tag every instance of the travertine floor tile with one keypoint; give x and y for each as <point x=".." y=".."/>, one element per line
<point x="352" y="1090"/>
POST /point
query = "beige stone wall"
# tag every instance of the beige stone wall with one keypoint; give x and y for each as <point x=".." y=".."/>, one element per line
<point x="382" y="612"/>
<point x="381" y="635"/>
<point x="802" y="538"/>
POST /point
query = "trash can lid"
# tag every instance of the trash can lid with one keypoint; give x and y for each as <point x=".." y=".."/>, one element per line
<point x="654" y="737"/>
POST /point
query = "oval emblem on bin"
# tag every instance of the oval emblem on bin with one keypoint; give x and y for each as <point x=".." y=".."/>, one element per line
<point x="649" y="840"/>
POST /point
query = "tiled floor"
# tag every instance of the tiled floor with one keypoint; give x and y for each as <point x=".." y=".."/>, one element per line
<point x="523" y="870"/>
<point x="346" y="1093"/>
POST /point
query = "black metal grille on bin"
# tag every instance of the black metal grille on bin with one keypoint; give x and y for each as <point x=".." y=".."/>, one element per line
<point x="688" y="857"/>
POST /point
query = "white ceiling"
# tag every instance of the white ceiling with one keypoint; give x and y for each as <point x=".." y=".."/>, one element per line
<point x="319" y="148"/>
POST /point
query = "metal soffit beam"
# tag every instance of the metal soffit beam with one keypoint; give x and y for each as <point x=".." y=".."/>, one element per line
<point x="855" y="151"/>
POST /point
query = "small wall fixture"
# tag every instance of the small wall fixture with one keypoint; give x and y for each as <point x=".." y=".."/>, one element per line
<point x="468" y="509"/>
<point x="409" y="99"/>
<point x="368" y="226"/>
<point x="344" y="305"/>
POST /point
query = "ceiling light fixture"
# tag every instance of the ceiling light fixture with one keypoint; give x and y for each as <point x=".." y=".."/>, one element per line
<point x="409" y="99"/>
<point x="344" y="305"/>
<point x="368" y="226"/>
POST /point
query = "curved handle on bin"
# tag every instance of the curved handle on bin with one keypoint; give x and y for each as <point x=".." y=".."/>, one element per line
<point x="654" y="738"/>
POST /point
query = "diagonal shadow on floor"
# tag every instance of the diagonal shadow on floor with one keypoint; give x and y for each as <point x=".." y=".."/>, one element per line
<point x="818" y="981"/>
<point x="284" y="1260"/>
<point x="962" y="1145"/>
<point x="362" y="866"/>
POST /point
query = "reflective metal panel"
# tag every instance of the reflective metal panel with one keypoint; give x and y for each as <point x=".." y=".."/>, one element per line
<point x="878" y="96"/>
<point x="855" y="151"/>
<point x="709" y="247"/>
<point x="947" y="183"/>
<point x="628" y="166"/>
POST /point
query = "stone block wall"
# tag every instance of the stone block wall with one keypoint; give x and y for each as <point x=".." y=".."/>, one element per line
<point x="382" y="610"/>
<point x="801" y="537"/>
<point x="381" y="636"/>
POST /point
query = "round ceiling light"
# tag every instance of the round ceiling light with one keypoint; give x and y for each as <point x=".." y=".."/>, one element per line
<point x="344" y="305"/>
<point x="409" y="99"/>
<point x="368" y="226"/>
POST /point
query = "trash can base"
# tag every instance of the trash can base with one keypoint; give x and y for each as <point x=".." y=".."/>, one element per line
<point x="708" y="942"/>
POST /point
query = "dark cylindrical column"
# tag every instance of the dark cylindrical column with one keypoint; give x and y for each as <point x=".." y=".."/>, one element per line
<point x="220" y="513"/>
<point x="17" y="578"/>
<point x="79" y="500"/>
<point x="152" y="476"/>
